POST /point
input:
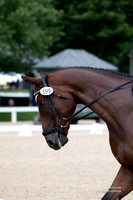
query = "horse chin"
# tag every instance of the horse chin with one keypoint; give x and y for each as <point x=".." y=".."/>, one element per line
<point x="56" y="140"/>
<point x="62" y="140"/>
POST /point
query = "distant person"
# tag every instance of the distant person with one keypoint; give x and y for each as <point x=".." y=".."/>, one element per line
<point x="11" y="102"/>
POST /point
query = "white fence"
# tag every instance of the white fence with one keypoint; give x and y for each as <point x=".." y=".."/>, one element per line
<point x="14" y="94"/>
<point x="14" y="110"/>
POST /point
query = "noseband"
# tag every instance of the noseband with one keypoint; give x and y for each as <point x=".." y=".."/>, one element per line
<point x="48" y="91"/>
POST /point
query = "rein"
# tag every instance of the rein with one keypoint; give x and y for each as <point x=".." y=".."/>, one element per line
<point x="96" y="99"/>
<point x="60" y="127"/>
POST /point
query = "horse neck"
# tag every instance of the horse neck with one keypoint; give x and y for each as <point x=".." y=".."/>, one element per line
<point x="88" y="84"/>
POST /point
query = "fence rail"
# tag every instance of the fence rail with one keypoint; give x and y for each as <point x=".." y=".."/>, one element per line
<point x="15" y="110"/>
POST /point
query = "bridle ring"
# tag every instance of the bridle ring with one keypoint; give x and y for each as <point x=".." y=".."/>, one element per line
<point x="63" y="120"/>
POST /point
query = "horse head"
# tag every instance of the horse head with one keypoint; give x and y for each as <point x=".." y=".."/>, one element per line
<point x="56" y="104"/>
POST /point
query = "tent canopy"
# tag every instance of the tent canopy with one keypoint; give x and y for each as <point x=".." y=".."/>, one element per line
<point x="74" y="58"/>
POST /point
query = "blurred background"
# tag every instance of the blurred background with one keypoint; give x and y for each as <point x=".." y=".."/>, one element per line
<point x="44" y="36"/>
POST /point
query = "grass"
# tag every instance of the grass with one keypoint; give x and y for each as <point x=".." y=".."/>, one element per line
<point x="27" y="116"/>
<point x="16" y="90"/>
<point x="5" y="117"/>
<point x="21" y="116"/>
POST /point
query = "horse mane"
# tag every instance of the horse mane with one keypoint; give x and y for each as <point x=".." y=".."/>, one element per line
<point x="108" y="71"/>
<point x="98" y="69"/>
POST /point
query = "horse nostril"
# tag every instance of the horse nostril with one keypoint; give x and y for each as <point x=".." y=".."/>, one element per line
<point x="53" y="145"/>
<point x="50" y="143"/>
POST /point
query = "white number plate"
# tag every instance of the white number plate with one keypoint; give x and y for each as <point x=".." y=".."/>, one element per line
<point x="46" y="91"/>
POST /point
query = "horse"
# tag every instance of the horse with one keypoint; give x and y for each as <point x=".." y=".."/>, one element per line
<point x="108" y="94"/>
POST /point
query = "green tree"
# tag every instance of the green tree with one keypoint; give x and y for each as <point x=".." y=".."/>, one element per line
<point x="31" y="29"/>
<point x="102" y="27"/>
<point x="27" y="30"/>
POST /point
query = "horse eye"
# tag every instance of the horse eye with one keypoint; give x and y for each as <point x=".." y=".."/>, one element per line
<point x="41" y="103"/>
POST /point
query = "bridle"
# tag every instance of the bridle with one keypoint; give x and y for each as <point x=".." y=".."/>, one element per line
<point x="64" y="122"/>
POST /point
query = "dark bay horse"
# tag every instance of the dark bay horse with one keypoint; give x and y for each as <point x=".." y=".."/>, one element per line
<point x="57" y="95"/>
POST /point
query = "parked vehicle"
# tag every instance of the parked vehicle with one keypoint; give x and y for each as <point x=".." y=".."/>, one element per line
<point x="86" y="111"/>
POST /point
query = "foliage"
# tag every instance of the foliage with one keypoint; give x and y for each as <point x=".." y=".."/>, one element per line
<point x="31" y="29"/>
<point x="27" y="30"/>
<point x="102" y="27"/>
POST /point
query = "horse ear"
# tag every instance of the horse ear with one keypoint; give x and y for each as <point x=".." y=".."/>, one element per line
<point x="30" y="80"/>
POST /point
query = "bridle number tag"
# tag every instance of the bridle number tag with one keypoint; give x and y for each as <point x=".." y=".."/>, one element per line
<point x="46" y="91"/>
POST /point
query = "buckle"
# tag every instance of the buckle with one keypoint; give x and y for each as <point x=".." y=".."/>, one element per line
<point x="63" y="123"/>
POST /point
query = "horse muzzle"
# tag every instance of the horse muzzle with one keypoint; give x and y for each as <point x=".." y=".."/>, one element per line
<point x="56" y="140"/>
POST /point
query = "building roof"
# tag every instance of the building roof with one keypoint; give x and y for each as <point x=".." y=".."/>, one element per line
<point x="74" y="58"/>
